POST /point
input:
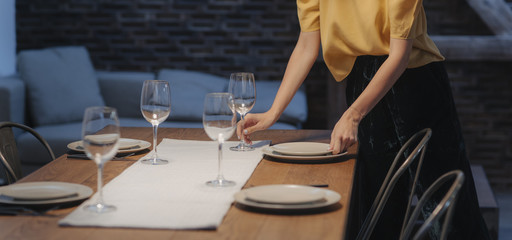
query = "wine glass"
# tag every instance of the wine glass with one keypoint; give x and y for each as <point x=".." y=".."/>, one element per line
<point x="243" y="89"/>
<point x="155" y="105"/>
<point x="100" y="135"/>
<point x="219" y="123"/>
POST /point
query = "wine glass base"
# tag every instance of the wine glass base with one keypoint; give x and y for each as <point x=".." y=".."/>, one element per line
<point x="221" y="183"/>
<point x="242" y="148"/>
<point x="100" y="208"/>
<point x="153" y="161"/>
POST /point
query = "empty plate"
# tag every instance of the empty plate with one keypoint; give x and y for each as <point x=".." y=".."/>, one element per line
<point x="329" y="198"/>
<point x="284" y="194"/>
<point x="125" y="145"/>
<point x="302" y="159"/>
<point x="32" y="192"/>
<point x="43" y="193"/>
<point x="302" y="148"/>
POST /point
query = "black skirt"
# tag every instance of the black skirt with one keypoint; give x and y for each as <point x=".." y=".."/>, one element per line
<point x="421" y="98"/>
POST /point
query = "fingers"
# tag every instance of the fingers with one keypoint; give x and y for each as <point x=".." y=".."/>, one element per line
<point x="243" y="127"/>
<point x="341" y="144"/>
<point x="336" y="145"/>
<point x="247" y="138"/>
<point x="248" y="131"/>
<point x="239" y="127"/>
<point x="243" y="133"/>
<point x="251" y="123"/>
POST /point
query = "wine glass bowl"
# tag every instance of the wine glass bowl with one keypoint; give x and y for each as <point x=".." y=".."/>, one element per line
<point x="100" y="136"/>
<point x="219" y="123"/>
<point x="155" y="114"/>
<point x="155" y="105"/>
<point x="243" y="88"/>
<point x="99" y="147"/>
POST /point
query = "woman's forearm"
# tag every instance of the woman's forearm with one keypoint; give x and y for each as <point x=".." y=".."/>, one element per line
<point x="386" y="76"/>
<point x="345" y="131"/>
<point x="302" y="59"/>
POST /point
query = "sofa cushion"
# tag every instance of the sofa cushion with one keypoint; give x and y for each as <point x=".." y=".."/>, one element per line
<point x="61" y="83"/>
<point x="188" y="89"/>
<point x="296" y="112"/>
<point x="122" y="90"/>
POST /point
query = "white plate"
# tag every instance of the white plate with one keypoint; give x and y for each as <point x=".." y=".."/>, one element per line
<point x="302" y="148"/>
<point x="284" y="194"/>
<point x="126" y="145"/>
<point x="39" y="193"/>
<point x="331" y="197"/>
<point x="268" y="151"/>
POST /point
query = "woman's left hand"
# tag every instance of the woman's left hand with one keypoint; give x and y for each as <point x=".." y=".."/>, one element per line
<point x="344" y="133"/>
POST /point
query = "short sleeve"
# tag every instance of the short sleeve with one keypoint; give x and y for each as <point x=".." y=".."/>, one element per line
<point x="403" y="18"/>
<point x="308" y="12"/>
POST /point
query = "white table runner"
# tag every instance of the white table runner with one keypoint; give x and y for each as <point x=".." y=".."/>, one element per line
<point x="173" y="196"/>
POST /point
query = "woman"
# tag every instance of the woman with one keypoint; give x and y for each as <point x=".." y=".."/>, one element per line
<point x="396" y="86"/>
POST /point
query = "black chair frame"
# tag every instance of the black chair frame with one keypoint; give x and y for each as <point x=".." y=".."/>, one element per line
<point x="392" y="178"/>
<point x="446" y="205"/>
<point x="9" y="153"/>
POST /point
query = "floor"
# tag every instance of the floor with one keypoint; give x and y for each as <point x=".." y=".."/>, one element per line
<point x="505" y="205"/>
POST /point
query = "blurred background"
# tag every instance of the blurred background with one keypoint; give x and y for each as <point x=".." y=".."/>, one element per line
<point x="224" y="36"/>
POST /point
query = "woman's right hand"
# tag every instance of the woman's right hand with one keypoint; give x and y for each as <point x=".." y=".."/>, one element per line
<point x="254" y="122"/>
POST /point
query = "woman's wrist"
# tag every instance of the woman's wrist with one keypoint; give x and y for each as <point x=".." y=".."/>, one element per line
<point x="355" y="114"/>
<point x="273" y="114"/>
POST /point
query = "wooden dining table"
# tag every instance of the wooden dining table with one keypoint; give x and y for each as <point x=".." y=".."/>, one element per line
<point x="238" y="223"/>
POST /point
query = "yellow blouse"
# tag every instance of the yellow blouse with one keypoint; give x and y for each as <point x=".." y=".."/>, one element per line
<point x="351" y="28"/>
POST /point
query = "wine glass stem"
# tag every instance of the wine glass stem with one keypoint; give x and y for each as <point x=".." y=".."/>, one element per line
<point x="99" y="201"/>
<point x="242" y="139"/>
<point x="220" y="176"/>
<point x="155" y="129"/>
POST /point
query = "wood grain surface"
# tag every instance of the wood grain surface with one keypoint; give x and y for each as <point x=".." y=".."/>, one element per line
<point x="239" y="223"/>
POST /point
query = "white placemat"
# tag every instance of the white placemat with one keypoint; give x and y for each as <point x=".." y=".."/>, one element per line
<point x="173" y="196"/>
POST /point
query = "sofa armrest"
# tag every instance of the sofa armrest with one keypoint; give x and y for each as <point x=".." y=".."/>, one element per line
<point x="122" y="90"/>
<point x="12" y="99"/>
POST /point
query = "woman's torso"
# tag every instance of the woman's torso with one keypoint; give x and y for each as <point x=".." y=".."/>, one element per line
<point x="351" y="28"/>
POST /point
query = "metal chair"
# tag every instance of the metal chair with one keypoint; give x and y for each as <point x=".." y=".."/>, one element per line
<point x="392" y="178"/>
<point x="446" y="205"/>
<point x="9" y="152"/>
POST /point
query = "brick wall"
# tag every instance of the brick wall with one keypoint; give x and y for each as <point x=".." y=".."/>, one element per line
<point x="482" y="92"/>
<point x="217" y="36"/>
<point x="223" y="36"/>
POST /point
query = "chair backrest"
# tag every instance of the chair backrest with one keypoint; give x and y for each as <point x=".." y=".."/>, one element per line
<point x="446" y="205"/>
<point x="9" y="157"/>
<point x="421" y="139"/>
